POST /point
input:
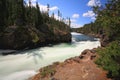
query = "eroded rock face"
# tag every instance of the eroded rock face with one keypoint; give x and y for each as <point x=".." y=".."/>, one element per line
<point x="17" y="38"/>
<point x="104" y="40"/>
<point x="29" y="37"/>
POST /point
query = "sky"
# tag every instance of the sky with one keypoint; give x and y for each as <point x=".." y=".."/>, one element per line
<point x="79" y="11"/>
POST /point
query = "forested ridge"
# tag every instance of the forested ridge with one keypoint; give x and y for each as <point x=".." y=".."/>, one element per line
<point x="107" y="28"/>
<point x="23" y="25"/>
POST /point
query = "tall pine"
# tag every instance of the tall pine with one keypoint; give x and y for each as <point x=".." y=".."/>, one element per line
<point x="2" y="14"/>
<point x="16" y="15"/>
<point x="39" y="18"/>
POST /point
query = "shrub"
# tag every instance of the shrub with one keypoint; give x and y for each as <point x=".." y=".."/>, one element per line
<point x="47" y="71"/>
<point x="109" y="59"/>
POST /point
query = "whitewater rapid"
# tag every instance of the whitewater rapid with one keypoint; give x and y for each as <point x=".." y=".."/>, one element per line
<point x="26" y="64"/>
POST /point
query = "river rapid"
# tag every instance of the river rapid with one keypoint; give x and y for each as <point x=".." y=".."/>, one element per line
<point x="25" y="64"/>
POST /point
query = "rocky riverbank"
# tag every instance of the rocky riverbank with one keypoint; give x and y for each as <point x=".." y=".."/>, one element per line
<point x="77" y="68"/>
<point x="25" y="37"/>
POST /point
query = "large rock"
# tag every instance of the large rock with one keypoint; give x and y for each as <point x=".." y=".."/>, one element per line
<point x="104" y="40"/>
<point x="19" y="38"/>
<point x="15" y="37"/>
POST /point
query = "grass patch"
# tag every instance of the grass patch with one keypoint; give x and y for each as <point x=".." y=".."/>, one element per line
<point x="47" y="71"/>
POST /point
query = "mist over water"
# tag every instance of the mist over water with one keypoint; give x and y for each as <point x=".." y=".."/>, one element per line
<point x="26" y="64"/>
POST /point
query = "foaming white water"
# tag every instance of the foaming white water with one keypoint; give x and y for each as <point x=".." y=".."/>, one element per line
<point x="22" y="75"/>
<point x="24" y="65"/>
<point x="75" y="33"/>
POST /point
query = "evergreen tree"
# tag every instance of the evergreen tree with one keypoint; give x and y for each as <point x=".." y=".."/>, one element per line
<point x="69" y="22"/>
<point x="58" y="15"/>
<point x="107" y="21"/>
<point x="39" y="18"/>
<point x="48" y="8"/>
<point x="109" y="18"/>
<point x="16" y="15"/>
<point x="28" y="14"/>
<point x="53" y="15"/>
<point x="20" y="17"/>
<point x="2" y="14"/>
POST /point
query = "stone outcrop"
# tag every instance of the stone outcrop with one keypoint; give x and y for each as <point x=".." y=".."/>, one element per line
<point x="24" y="37"/>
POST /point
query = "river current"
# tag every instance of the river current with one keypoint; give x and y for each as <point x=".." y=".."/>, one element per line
<point x="25" y="64"/>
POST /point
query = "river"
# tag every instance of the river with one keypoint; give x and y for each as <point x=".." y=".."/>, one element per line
<point x="25" y="64"/>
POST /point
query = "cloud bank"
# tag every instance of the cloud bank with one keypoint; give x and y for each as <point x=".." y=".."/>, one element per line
<point x="92" y="3"/>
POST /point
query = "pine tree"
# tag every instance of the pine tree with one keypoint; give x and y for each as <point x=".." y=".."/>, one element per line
<point x="39" y="18"/>
<point x="2" y="14"/>
<point x="69" y="22"/>
<point x="48" y="8"/>
<point x="20" y="17"/>
<point x="28" y="13"/>
<point x="58" y="15"/>
<point x="16" y="15"/>
<point x="109" y="18"/>
<point x="53" y="15"/>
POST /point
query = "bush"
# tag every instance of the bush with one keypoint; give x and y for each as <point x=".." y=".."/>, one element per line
<point x="47" y="71"/>
<point x="109" y="59"/>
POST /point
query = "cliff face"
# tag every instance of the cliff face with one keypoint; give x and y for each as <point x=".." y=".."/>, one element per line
<point x="22" y="37"/>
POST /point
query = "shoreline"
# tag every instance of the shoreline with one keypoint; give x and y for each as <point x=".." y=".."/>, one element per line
<point x="62" y="70"/>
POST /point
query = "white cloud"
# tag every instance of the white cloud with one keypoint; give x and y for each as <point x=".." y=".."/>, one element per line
<point x="93" y="18"/>
<point x="33" y="1"/>
<point x="75" y="25"/>
<point x="73" y="20"/>
<point x="53" y="8"/>
<point x="89" y="14"/>
<point x="56" y="17"/>
<point x="75" y="16"/>
<point x="92" y="3"/>
<point x="42" y="7"/>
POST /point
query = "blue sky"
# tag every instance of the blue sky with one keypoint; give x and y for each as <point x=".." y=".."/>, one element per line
<point x="79" y="11"/>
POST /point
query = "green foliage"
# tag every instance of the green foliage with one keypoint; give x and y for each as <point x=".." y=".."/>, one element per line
<point x="110" y="17"/>
<point x="107" y="21"/>
<point x="39" y="18"/>
<point x="35" y="37"/>
<point x="15" y="12"/>
<point x="29" y="26"/>
<point x="2" y="14"/>
<point x="107" y="25"/>
<point x="47" y="71"/>
<point x="109" y="59"/>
